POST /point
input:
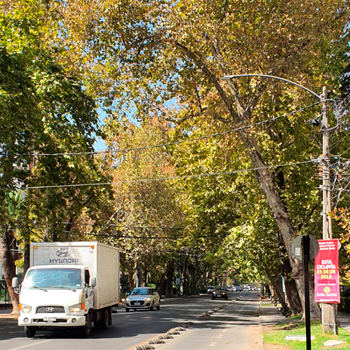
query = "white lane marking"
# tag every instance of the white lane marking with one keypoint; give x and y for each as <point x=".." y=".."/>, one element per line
<point x="212" y="344"/>
<point x="28" y="346"/>
<point x="224" y="330"/>
<point x="219" y="336"/>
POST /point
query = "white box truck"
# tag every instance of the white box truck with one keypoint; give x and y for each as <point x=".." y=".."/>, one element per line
<point x="69" y="284"/>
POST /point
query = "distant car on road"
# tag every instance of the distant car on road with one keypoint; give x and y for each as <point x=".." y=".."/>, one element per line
<point x="210" y="289"/>
<point x="230" y="288"/>
<point x="219" y="292"/>
<point x="142" y="298"/>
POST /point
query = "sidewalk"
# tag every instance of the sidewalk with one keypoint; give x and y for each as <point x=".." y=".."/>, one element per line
<point x="268" y="315"/>
<point x="344" y="320"/>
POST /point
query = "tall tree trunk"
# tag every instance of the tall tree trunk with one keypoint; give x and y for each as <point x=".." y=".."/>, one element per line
<point x="283" y="221"/>
<point x="68" y="228"/>
<point x="169" y="279"/>
<point x="289" y="282"/>
<point x="131" y="280"/>
<point x="291" y="288"/>
<point x="184" y="277"/>
<point x="9" y="267"/>
<point x="276" y="283"/>
<point x="164" y="287"/>
<point x="141" y="275"/>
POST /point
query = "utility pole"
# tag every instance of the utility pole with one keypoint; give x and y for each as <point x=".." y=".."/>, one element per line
<point x="329" y="314"/>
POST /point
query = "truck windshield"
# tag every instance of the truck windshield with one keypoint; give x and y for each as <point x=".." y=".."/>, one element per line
<point x="53" y="278"/>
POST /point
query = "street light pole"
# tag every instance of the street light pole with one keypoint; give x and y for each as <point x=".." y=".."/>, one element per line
<point x="329" y="316"/>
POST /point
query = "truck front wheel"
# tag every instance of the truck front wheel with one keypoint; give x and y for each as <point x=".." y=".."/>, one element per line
<point x="30" y="331"/>
<point x="86" y="329"/>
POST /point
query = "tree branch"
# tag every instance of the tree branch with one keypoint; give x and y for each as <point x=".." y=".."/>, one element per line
<point x="212" y="78"/>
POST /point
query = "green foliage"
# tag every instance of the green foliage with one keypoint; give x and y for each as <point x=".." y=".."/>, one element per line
<point x="156" y="59"/>
<point x="14" y="204"/>
<point x="147" y="221"/>
<point x="44" y="110"/>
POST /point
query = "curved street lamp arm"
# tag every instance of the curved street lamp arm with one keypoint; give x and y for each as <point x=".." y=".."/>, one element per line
<point x="272" y="77"/>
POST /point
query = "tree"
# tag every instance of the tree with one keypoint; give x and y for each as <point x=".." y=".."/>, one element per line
<point x="227" y="214"/>
<point x="146" y="220"/>
<point x="184" y="49"/>
<point x="44" y="110"/>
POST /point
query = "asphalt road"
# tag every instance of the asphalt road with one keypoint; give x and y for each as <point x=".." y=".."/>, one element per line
<point x="204" y="323"/>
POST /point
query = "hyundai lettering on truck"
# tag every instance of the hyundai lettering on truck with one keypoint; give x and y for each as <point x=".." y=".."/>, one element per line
<point x="69" y="284"/>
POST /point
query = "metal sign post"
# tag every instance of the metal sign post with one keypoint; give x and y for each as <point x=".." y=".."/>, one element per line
<point x="306" y="248"/>
<point x="306" y="259"/>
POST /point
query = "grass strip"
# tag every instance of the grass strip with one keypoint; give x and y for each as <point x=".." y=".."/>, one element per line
<point x="276" y="335"/>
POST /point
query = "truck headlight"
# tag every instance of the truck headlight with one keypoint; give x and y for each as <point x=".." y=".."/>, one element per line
<point x="25" y="308"/>
<point x="77" y="308"/>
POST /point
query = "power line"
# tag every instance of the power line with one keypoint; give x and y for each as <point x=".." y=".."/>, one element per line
<point x="176" y="142"/>
<point x="151" y="237"/>
<point x="174" y="177"/>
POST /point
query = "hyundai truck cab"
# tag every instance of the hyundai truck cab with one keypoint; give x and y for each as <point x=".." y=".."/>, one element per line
<point x="55" y="296"/>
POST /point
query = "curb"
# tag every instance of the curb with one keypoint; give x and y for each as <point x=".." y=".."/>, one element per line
<point x="159" y="338"/>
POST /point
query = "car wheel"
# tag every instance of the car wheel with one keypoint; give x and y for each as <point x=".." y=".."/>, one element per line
<point x="29" y="331"/>
<point x="152" y="306"/>
<point x="127" y="309"/>
<point x="158" y="306"/>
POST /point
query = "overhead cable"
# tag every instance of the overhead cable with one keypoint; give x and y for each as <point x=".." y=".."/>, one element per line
<point x="177" y="142"/>
<point x="184" y="177"/>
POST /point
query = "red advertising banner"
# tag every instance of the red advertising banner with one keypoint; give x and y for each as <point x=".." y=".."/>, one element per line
<point x="327" y="272"/>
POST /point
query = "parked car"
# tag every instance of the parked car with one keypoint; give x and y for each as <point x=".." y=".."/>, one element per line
<point x="219" y="292"/>
<point x="142" y="298"/>
<point x="230" y="288"/>
<point x="210" y="289"/>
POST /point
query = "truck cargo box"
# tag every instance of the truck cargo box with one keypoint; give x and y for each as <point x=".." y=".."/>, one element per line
<point x="101" y="260"/>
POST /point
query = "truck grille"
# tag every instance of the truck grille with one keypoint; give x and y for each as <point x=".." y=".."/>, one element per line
<point x="41" y="320"/>
<point x="50" y="310"/>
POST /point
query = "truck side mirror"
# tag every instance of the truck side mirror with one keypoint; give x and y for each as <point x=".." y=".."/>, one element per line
<point x="15" y="283"/>
<point x="93" y="282"/>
